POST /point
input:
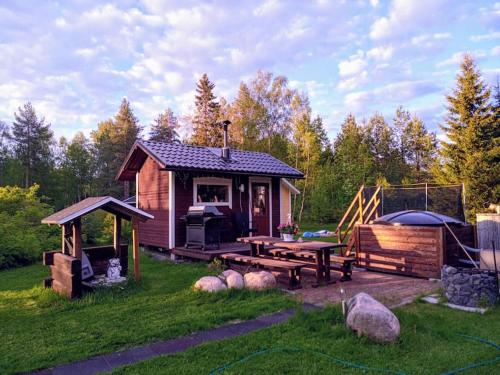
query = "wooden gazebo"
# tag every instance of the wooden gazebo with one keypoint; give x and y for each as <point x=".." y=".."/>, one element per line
<point x="66" y="264"/>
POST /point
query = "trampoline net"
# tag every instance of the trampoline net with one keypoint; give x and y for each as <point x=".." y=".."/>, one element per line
<point x="443" y="199"/>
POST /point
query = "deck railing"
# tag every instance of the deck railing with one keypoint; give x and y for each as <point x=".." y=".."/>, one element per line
<point x="358" y="212"/>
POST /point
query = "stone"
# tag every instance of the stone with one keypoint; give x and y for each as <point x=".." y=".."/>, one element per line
<point x="370" y="318"/>
<point x="469" y="287"/>
<point x="210" y="284"/>
<point x="233" y="279"/>
<point x="259" y="280"/>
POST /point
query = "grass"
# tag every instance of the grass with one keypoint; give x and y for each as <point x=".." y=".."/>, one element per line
<point x="40" y="329"/>
<point x="429" y="344"/>
<point x="314" y="227"/>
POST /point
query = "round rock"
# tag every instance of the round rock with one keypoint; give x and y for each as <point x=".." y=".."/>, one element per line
<point x="233" y="279"/>
<point x="210" y="284"/>
<point x="368" y="317"/>
<point x="260" y="280"/>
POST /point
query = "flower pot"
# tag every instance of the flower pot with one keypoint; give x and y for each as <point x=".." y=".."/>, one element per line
<point x="287" y="237"/>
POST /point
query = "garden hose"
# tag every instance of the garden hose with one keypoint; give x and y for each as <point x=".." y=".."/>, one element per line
<point x="357" y="365"/>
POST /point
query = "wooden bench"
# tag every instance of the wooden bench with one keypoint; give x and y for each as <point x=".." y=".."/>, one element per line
<point x="337" y="262"/>
<point x="269" y="263"/>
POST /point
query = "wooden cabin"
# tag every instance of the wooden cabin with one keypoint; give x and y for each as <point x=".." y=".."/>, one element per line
<point x="171" y="177"/>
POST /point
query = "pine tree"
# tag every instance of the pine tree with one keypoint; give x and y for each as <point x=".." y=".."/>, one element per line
<point x="422" y="149"/>
<point x="206" y="130"/>
<point x="417" y="147"/>
<point x="380" y="141"/>
<point x="164" y="128"/>
<point x="353" y="164"/>
<point x="78" y="166"/>
<point x="113" y="140"/>
<point x="247" y="116"/>
<point x="4" y="149"/>
<point x="470" y="127"/>
<point x="32" y="140"/>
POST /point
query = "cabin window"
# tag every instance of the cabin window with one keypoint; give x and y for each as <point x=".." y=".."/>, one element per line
<point x="212" y="191"/>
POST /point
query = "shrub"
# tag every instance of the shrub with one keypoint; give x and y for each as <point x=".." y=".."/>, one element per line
<point x="22" y="237"/>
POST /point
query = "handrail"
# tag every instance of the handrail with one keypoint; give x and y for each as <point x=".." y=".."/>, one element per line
<point x="341" y="222"/>
<point x="373" y="200"/>
<point x="360" y="214"/>
<point x="338" y="231"/>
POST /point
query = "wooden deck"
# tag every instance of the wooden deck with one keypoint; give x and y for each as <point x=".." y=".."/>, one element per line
<point x="208" y="255"/>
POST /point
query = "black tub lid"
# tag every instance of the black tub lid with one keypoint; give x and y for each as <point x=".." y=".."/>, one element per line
<point x="416" y="217"/>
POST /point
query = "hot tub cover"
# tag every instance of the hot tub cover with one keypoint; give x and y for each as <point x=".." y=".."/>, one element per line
<point x="416" y="217"/>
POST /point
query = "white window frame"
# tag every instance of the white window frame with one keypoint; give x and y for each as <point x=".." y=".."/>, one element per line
<point x="213" y="181"/>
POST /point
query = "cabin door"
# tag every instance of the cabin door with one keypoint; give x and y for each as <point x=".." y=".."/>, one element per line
<point x="260" y="208"/>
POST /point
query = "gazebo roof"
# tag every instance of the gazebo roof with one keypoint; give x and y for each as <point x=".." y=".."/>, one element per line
<point x="88" y="205"/>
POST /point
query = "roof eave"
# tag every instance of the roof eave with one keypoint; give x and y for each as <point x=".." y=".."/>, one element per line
<point x="206" y="170"/>
<point x="121" y="175"/>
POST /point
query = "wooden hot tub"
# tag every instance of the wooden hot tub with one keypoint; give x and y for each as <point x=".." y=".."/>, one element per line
<point x="413" y="250"/>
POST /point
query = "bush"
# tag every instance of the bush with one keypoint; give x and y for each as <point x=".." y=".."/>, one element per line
<point x="22" y="237"/>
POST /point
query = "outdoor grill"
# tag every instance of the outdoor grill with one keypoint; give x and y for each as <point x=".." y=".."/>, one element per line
<point x="203" y="227"/>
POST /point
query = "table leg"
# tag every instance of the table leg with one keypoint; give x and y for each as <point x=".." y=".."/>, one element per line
<point x="326" y="255"/>
<point x="260" y="250"/>
<point x="253" y="249"/>
<point x="319" y="268"/>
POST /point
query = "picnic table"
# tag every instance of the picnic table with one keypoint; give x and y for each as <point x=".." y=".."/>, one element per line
<point x="321" y="249"/>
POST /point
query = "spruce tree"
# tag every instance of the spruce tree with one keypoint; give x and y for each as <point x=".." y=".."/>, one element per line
<point x="113" y="140"/>
<point x="164" y="127"/>
<point x="470" y="127"/>
<point x="206" y="130"/>
<point x="32" y="140"/>
<point x="381" y="142"/>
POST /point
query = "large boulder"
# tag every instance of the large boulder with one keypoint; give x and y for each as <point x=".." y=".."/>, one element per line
<point x="260" y="280"/>
<point x="210" y="284"/>
<point x="233" y="279"/>
<point x="368" y="317"/>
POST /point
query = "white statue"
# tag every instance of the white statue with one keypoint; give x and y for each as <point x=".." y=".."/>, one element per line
<point x="114" y="269"/>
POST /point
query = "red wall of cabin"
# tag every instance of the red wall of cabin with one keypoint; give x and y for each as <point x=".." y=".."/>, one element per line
<point x="153" y="198"/>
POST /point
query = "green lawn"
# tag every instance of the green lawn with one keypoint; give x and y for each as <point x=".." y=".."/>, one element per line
<point x="314" y="227"/>
<point x="429" y="344"/>
<point x="39" y="329"/>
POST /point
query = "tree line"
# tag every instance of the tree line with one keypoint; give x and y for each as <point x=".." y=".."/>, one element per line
<point x="268" y="115"/>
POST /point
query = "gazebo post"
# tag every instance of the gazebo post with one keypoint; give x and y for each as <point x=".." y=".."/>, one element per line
<point x="117" y="235"/>
<point x="65" y="232"/>
<point x="77" y="238"/>
<point x="135" y="247"/>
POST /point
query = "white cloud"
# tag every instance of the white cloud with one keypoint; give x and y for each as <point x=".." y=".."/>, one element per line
<point x="405" y="16"/>
<point x="76" y="60"/>
<point x="489" y="36"/>
<point x="382" y="53"/>
<point x="394" y="93"/>
<point x="268" y="8"/>
<point x="457" y="57"/>
<point x="60" y="22"/>
<point x="354" y="65"/>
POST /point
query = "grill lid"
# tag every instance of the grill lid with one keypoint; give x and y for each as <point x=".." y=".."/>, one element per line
<point x="416" y="217"/>
<point x="203" y="211"/>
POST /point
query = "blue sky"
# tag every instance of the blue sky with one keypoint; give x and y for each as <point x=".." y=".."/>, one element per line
<point x="75" y="60"/>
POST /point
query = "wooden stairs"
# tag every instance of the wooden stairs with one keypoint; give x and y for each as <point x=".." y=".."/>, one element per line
<point x="360" y="211"/>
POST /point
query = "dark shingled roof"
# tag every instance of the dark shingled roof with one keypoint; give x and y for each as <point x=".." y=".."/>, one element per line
<point x="175" y="156"/>
<point x="91" y="204"/>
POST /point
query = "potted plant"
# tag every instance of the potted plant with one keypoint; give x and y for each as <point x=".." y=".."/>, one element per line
<point x="288" y="230"/>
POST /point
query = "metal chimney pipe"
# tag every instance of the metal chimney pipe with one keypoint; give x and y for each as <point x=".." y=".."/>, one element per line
<point x="225" y="150"/>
